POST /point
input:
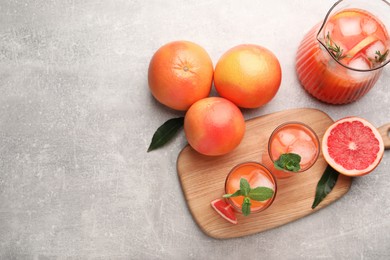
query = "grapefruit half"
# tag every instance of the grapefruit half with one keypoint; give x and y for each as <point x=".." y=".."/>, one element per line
<point x="352" y="146"/>
<point x="225" y="210"/>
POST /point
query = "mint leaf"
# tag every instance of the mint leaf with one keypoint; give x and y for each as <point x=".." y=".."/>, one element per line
<point x="166" y="132"/>
<point x="236" y="194"/>
<point x="261" y="193"/>
<point x="325" y="185"/>
<point x="244" y="187"/>
<point x="258" y="194"/>
<point x="246" y="206"/>
<point x="289" y="162"/>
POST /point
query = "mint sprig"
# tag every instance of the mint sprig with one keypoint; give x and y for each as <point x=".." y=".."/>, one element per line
<point x="259" y="194"/>
<point x="289" y="162"/>
<point x="246" y="206"/>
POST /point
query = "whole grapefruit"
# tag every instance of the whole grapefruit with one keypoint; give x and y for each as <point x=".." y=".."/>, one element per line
<point x="352" y="146"/>
<point x="248" y="75"/>
<point x="180" y="73"/>
<point x="214" y="126"/>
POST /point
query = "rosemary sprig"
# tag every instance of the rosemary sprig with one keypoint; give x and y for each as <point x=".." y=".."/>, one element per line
<point x="379" y="58"/>
<point x="334" y="49"/>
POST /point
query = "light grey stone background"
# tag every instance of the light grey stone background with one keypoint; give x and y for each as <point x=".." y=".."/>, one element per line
<point x="76" y="118"/>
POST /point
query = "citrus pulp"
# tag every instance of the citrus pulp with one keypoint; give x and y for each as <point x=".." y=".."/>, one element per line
<point x="352" y="146"/>
<point x="225" y="210"/>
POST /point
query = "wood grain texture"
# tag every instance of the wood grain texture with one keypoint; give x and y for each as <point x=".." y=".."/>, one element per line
<point x="203" y="178"/>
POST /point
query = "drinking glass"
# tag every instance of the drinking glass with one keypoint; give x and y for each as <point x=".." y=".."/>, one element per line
<point x="257" y="175"/>
<point x="292" y="137"/>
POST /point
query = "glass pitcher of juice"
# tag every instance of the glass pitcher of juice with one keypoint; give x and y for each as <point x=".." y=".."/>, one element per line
<point x="340" y="59"/>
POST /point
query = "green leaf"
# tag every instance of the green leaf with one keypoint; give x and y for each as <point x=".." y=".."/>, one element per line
<point x="244" y="187"/>
<point x="334" y="49"/>
<point x="165" y="132"/>
<point x="381" y="57"/>
<point x="261" y="193"/>
<point x="289" y="162"/>
<point x="246" y="206"/>
<point x="325" y="185"/>
<point x="236" y="194"/>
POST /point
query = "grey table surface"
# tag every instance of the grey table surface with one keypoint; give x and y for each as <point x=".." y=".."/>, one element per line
<point x="76" y="118"/>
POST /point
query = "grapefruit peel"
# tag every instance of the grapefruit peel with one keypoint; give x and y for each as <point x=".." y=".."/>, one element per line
<point x="225" y="210"/>
<point x="360" y="46"/>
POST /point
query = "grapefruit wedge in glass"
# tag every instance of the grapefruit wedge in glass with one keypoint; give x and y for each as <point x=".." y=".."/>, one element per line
<point x="352" y="146"/>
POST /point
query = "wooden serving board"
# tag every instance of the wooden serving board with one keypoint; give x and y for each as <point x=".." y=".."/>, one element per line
<point x="203" y="178"/>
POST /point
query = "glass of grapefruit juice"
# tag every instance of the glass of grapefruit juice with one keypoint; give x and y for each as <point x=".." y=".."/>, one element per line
<point x="296" y="138"/>
<point x="340" y="59"/>
<point x="257" y="175"/>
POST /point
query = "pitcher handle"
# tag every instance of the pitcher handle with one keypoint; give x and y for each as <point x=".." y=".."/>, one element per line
<point x="385" y="131"/>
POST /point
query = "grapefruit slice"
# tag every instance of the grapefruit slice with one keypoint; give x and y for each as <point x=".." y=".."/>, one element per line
<point x="345" y="14"/>
<point x="352" y="146"/>
<point x="225" y="210"/>
<point x="360" y="46"/>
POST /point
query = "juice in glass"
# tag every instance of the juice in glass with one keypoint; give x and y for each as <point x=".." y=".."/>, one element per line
<point x="257" y="175"/>
<point x="340" y="61"/>
<point x="292" y="137"/>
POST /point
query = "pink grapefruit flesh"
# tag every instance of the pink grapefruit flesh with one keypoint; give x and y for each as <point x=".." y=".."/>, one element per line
<point x="225" y="210"/>
<point x="352" y="146"/>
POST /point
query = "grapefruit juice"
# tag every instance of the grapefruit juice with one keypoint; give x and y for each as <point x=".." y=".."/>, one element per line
<point x="341" y="61"/>
<point x="257" y="175"/>
<point x="292" y="137"/>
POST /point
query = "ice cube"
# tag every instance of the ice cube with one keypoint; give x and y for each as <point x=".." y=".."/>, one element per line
<point x="286" y="138"/>
<point x="307" y="150"/>
<point x="376" y="46"/>
<point x="369" y="26"/>
<point x="304" y="136"/>
<point x="361" y="64"/>
<point x="277" y="149"/>
<point x="350" y="26"/>
<point x="261" y="180"/>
